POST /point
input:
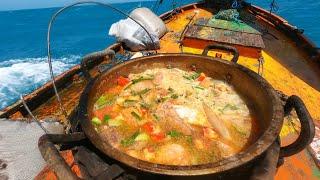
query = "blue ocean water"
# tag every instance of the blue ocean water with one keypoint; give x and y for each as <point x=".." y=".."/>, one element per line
<point x="84" y="29"/>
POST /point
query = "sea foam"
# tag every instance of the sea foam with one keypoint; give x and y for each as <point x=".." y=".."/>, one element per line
<point x="21" y="76"/>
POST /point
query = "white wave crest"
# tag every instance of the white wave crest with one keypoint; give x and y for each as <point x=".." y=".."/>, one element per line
<point x="21" y="76"/>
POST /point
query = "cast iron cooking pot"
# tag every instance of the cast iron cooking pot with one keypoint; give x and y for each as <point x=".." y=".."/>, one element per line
<point x="253" y="88"/>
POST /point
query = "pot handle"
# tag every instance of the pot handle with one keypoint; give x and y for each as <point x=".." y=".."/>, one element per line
<point x="307" y="127"/>
<point x="88" y="60"/>
<point x="231" y="49"/>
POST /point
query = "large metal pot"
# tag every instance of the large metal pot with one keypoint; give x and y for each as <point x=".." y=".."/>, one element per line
<point x="256" y="91"/>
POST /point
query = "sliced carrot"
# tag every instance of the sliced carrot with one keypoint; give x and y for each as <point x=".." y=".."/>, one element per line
<point x="122" y="81"/>
<point x="201" y="77"/>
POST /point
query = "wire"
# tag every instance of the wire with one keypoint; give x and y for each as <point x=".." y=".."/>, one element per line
<point x="274" y="6"/>
<point x="49" y="47"/>
<point x="33" y="117"/>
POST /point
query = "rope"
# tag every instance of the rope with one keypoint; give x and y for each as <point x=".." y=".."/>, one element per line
<point x="49" y="47"/>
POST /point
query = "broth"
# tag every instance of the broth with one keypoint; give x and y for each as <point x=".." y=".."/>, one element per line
<point x="174" y="117"/>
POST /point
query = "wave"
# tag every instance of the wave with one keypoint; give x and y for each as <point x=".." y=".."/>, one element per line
<point x="21" y="76"/>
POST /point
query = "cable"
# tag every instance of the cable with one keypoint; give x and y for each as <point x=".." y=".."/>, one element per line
<point x="33" y="117"/>
<point x="274" y="6"/>
<point x="49" y="47"/>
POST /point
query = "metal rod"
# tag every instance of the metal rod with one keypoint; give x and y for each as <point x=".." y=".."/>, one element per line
<point x="49" y="47"/>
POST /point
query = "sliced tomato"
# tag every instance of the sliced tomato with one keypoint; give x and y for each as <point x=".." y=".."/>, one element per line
<point x="100" y="113"/>
<point x="143" y="111"/>
<point x="158" y="137"/>
<point x="122" y="81"/>
<point x="201" y="77"/>
<point x="149" y="127"/>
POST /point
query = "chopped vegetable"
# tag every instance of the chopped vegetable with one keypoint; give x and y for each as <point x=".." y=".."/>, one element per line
<point x="130" y="140"/>
<point x="186" y="77"/>
<point x="201" y="77"/>
<point x="158" y="137"/>
<point x="145" y="105"/>
<point x="156" y="117"/>
<point x="174" y="133"/>
<point x="174" y="96"/>
<point x="106" y="118"/>
<point x="192" y="77"/>
<point x="195" y="76"/>
<point x="239" y="130"/>
<point x="142" y="137"/>
<point x="149" y="127"/>
<point x="122" y="81"/>
<point x="129" y="102"/>
<point x="116" y="121"/>
<point x="134" y="81"/>
<point x="99" y="113"/>
<point x="199" y="87"/>
<point x="229" y="106"/>
<point x="96" y="121"/>
<point x="104" y="100"/>
<point x="136" y="115"/>
<point x="170" y="90"/>
<point x="141" y="92"/>
<point x="189" y="139"/>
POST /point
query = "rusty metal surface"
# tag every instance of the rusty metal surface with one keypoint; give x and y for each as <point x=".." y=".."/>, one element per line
<point x="225" y="36"/>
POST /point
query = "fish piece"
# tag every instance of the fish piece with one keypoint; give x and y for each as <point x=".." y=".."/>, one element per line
<point x="111" y="134"/>
<point x="218" y="125"/>
<point x="225" y="149"/>
<point x="173" y="154"/>
<point x="171" y="120"/>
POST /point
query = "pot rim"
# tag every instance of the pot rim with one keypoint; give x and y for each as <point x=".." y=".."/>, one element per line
<point x="252" y="152"/>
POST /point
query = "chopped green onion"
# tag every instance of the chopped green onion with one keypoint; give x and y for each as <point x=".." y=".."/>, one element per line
<point x="189" y="139"/>
<point x="134" y="114"/>
<point x="130" y="140"/>
<point x="134" y="81"/>
<point x="174" y="134"/>
<point x="195" y="76"/>
<point x="192" y="77"/>
<point x="156" y="117"/>
<point x="174" y="96"/>
<point x="145" y="105"/>
<point x="96" y="121"/>
<point x="186" y="77"/>
<point x="106" y="118"/>
<point x="141" y="92"/>
<point x="171" y="90"/>
<point x="105" y="100"/>
<point x="199" y="87"/>
<point x="129" y="102"/>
